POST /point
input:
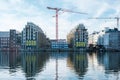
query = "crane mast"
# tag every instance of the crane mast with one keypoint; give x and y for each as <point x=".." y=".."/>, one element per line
<point x="57" y="24"/>
<point x="117" y="22"/>
<point x="60" y="9"/>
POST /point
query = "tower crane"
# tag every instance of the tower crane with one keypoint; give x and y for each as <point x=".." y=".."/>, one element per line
<point x="64" y="10"/>
<point x="117" y="18"/>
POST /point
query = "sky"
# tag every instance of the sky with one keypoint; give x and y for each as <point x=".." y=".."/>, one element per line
<point x="14" y="14"/>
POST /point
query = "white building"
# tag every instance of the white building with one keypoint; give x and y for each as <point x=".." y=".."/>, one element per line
<point x="97" y="38"/>
<point x="109" y="38"/>
<point x="93" y="38"/>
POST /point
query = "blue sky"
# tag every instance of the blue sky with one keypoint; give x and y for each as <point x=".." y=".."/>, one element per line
<point x="14" y="14"/>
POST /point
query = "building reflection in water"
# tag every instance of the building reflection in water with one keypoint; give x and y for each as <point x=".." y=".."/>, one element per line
<point x="60" y="65"/>
<point x="9" y="60"/>
<point x="33" y="63"/>
<point x="103" y="66"/>
<point x="4" y="59"/>
<point x="95" y="65"/>
<point x="79" y="62"/>
<point x="58" y="58"/>
<point x="110" y="61"/>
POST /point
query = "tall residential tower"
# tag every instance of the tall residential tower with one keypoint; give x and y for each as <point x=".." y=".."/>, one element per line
<point x="33" y="37"/>
<point x="78" y="37"/>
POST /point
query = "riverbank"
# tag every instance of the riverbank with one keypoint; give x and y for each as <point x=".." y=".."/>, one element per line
<point x="71" y="50"/>
<point x="62" y="50"/>
<point x="56" y="50"/>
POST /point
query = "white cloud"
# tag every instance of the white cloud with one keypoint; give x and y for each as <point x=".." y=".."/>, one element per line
<point x="102" y="9"/>
<point x="15" y="14"/>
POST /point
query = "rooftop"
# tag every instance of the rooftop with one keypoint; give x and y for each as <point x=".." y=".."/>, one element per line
<point x="4" y="34"/>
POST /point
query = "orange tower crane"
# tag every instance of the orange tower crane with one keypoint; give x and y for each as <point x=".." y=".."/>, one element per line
<point x="64" y="10"/>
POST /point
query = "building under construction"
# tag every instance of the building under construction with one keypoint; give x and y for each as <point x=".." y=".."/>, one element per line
<point x="78" y="37"/>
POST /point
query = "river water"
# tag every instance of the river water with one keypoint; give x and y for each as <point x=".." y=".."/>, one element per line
<point x="59" y="66"/>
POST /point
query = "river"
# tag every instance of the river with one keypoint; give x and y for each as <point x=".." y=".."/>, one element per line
<point x="27" y="65"/>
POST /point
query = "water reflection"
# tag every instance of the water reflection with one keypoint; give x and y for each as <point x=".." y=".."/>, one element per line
<point x="9" y="59"/>
<point x="79" y="62"/>
<point x="110" y="61"/>
<point x="33" y="62"/>
<point x="59" y="59"/>
<point x="4" y="59"/>
<point x="28" y="65"/>
<point x="103" y="66"/>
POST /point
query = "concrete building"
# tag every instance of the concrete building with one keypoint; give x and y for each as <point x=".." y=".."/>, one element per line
<point x="15" y="39"/>
<point x="4" y="40"/>
<point x="9" y="40"/>
<point x="78" y="37"/>
<point x="58" y="44"/>
<point x="33" y="37"/>
<point x="112" y="39"/>
<point x="109" y="38"/>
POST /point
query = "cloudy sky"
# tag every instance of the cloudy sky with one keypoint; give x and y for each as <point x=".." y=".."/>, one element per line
<point x="14" y="14"/>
